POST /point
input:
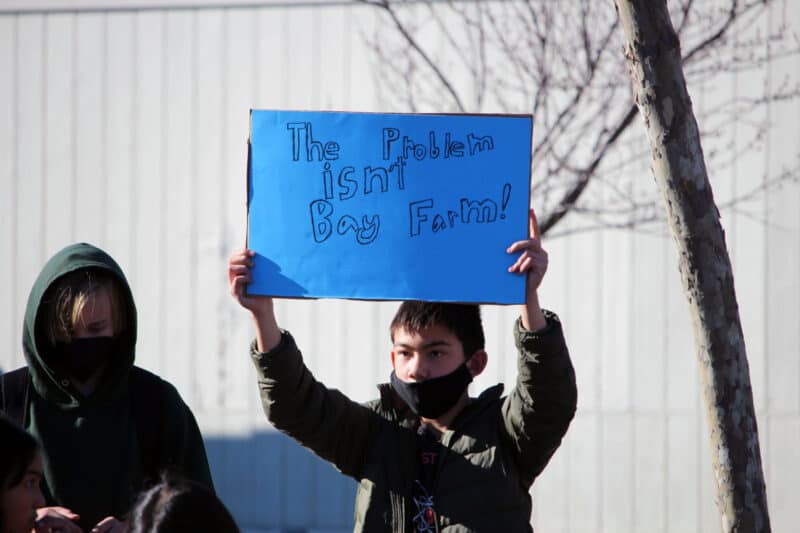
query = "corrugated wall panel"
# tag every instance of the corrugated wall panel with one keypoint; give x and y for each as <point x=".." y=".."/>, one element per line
<point x="782" y="252"/>
<point x="178" y="189"/>
<point x="11" y="311"/>
<point x="59" y="132"/>
<point x="208" y="94"/>
<point x="782" y="295"/>
<point x="28" y="79"/>
<point x="119" y="162"/>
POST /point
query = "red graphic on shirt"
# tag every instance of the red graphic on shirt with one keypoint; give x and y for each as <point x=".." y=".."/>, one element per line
<point x="428" y="458"/>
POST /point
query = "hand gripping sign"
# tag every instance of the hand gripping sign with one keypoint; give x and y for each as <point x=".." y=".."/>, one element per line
<point x="388" y="206"/>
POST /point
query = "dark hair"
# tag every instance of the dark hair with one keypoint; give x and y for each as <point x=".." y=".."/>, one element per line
<point x="66" y="298"/>
<point x="176" y="505"/>
<point x="19" y="450"/>
<point x="464" y="320"/>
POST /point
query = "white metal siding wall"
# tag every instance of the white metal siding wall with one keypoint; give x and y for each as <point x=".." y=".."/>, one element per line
<point x="128" y="129"/>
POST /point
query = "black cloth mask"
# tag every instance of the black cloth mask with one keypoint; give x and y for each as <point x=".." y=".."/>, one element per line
<point x="82" y="357"/>
<point x="433" y="397"/>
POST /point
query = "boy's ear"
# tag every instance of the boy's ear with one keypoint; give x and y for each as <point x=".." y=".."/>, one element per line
<point x="392" y="356"/>
<point x="475" y="364"/>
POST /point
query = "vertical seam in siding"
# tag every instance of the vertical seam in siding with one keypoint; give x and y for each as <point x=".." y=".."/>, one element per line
<point x="134" y="145"/>
<point x="286" y="52"/>
<point x="43" y="137"/>
<point x="601" y="418"/>
<point x="797" y="61"/>
<point x="15" y="313"/>
<point x="105" y="190"/>
<point x="629" y="363"/>
<point x="162" y="201"/>
<point x="193" y="234"/>
<point x="315" y="59"/>
<point x="347" y="60"/>
<point x="223" y="212"/>
<point x="73" y="124"/>
<point x="734" y="169"/>
<point x="765" y="179"/>
<point x="255" y="58"/>
<point x="665" y="385"/>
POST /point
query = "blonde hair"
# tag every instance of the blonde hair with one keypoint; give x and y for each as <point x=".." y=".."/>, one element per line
<point x="69" y="296"/>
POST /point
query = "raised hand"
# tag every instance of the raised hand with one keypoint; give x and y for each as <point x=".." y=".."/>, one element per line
<point x="239" y="265"/>
<point x="532" y="262"/>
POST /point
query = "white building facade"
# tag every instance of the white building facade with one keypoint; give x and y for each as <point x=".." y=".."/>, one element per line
<point x="125" y="124"/>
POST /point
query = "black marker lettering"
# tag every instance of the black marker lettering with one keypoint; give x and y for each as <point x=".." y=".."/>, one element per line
<point x="399" y="165"/>
<point x="452" y="148"/>
<point x="417" y="217"/>
<point x="438" y="224"/>
<point x="321" y="212"/>
<point x="485" y="211"/>
<point x="329" y="151"/>
<point x="346" y="223"/>
<point x="432" y="148"/>
<point x="312" y="145"/>
<point x="348" y="183"/>
<point x="452" y="216"/>
<point x="389" y="135"/>
<point x="327" y="179"/>
<point x="369" y="231"/>
<point x="370" y="174"/>
<point x="296" y="128"/>
<point x="417" y="150"/>
<point x="479" y="143"/>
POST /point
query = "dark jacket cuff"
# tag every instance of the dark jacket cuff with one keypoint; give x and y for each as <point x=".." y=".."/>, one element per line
<point x="282" y="361"/>
<point x="547" y="341"/>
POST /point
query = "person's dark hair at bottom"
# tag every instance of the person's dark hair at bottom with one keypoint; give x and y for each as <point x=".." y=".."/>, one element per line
<point x="176" y="505"/>
<point x="19" y="450"/>
<point x="20" y="476"/>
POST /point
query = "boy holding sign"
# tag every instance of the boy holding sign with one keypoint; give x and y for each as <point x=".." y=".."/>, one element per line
<point x="427" y="456"/>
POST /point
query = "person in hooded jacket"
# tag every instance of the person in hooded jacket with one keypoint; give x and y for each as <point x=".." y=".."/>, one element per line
<point x="108" y="429"/>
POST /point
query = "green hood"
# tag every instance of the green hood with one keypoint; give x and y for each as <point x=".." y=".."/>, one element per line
<point x="56" y="388"/>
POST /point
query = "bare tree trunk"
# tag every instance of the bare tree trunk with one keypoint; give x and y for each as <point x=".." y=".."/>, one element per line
<point x="653" y="53"/>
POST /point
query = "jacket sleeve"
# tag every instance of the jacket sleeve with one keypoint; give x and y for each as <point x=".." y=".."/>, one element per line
<point x="321" y="419"/>
<point x="184" y="448"/>
<point x="538" y="411"/>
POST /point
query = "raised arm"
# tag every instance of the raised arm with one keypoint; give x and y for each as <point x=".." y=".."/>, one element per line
<point x="532" y="262"/>
<point x="324" y="420"/>
<point x="539" y="409"/>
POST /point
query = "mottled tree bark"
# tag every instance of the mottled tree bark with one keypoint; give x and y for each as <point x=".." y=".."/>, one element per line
<point x="653" y="53"/>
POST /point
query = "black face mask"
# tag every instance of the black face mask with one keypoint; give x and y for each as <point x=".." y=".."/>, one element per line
<point x="433" y="397"/>
<point x="82" y="357"/>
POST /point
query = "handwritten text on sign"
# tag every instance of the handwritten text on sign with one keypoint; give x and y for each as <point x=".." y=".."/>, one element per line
<point x="376" y="206"/>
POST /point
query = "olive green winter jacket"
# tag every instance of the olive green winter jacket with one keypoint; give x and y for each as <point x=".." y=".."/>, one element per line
<point x="488" y="459"/>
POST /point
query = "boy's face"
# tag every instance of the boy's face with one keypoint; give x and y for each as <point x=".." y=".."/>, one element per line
<point x="430" y="353"/>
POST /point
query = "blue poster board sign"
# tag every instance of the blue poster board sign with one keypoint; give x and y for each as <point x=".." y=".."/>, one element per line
<point x="388" y="206"/>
